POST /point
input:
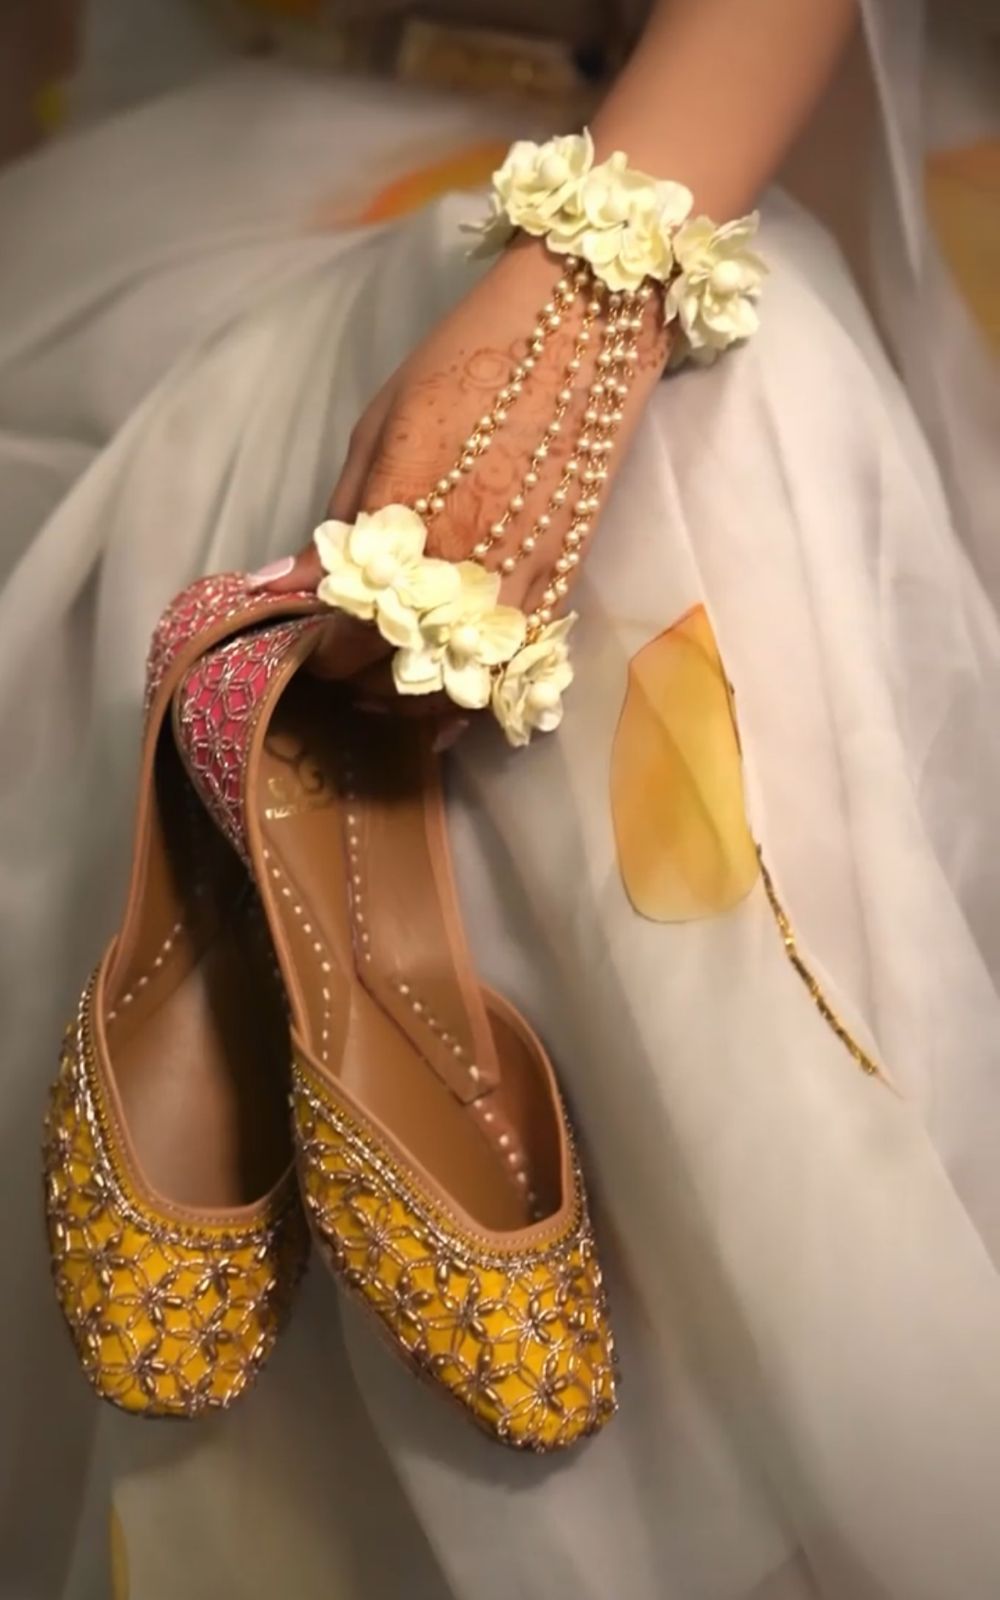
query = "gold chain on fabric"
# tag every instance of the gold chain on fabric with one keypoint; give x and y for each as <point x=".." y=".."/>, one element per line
<point x="860" y="1056"/>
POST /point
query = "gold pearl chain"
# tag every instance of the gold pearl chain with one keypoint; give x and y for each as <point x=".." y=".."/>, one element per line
<point x="588" y="463"/>
<point x="586" y="467"/>
<point x="482" y="436"/>
<point x="529" y="481"/>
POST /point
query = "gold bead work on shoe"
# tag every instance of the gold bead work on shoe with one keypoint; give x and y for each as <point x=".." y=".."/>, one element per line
<point x="169" y="1317"/>
<point x="519" y="1338"/>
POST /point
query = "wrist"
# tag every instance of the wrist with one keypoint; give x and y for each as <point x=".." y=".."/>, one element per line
<point x="530" y="264"/>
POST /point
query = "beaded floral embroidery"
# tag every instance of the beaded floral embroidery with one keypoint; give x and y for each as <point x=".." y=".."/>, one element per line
<point x="170" y="1317"/>
<point x="521" y="1339"/>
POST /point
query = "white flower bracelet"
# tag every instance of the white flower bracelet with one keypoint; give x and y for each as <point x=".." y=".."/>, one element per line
<point x="628" y="228"/>
<point x="449" y="632"/>
<point x="627" y="242"/>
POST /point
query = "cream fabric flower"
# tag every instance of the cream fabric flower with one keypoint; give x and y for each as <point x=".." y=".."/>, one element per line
<point x="628" y="221"/>
<point x="719" y="280"/>
<point x="376" y="571"/>
<point x="624" y="255"/>
<point x="495" y="231"/>
<point x="527" y="696"/>
<point x="618" y="219"/>
<point x="537" y="180"/>
<point x="461" y="642"/>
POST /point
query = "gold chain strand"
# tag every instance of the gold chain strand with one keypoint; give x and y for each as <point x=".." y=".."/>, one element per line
<point x="603" y="414"/>
<point x="482" y="436"/>
<point x="587" y="466"/>
<point x="859" y="1055"/>
<point x="608" y="390"/>
<point x="580" y="473"/>
<point x="571" y="469"/>
<point x="581" y="470"/>
<point x="529" y="480"/>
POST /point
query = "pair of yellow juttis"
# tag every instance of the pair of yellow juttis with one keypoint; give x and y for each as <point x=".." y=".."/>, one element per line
<point x="292" y="937"/>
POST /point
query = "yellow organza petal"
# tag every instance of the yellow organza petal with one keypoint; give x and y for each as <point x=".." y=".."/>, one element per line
<point x="684" y="845"/>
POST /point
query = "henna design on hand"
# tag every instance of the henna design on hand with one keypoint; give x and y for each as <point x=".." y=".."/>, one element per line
<point x="424" y="433"/>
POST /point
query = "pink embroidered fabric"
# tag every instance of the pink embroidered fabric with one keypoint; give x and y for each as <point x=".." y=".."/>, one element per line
<point x="203" y="606"/>
<point x="217" y="706"/>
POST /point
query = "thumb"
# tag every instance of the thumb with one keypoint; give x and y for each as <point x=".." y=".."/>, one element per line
<point x="347" y="646"/>
<point x="290" y="573"/>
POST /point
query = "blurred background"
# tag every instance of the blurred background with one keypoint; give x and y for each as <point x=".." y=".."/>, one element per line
<point x="65" y="64"/>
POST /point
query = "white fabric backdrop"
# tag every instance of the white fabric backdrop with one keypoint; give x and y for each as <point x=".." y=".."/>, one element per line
<point x="803" y="1263"/>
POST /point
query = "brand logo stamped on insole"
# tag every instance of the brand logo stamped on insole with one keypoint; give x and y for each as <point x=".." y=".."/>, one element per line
<point x="292" y="794"/>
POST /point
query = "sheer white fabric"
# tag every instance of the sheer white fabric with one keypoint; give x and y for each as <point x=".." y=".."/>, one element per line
<point x="803" y="1263"/>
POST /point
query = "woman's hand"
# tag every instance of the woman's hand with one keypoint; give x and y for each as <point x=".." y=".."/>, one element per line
<point x="411" y="436"/>
<point x="712" y="96"/>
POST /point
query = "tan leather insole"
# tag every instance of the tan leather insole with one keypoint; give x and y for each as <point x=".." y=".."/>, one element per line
<point x="350" y="1033"/>
<point x="200" y="1050"/>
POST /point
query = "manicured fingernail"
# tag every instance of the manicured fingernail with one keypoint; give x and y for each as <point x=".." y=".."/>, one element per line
<point x="271" y="573"/>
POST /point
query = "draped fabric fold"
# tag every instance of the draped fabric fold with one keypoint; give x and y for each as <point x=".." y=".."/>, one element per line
<point x="803" y="1258"/>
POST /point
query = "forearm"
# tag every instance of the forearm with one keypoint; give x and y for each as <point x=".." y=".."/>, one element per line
<point x="717" y="90"/>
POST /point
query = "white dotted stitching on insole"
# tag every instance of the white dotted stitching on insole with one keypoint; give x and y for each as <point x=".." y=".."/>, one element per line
<point x="363" y="938"/>
<point x="318" y="948"/>
<point x="502" y="1137"/>
<point x="143" y="979"/>
<point x="419" y="1007"/>
<point x="506" y="1140"/>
